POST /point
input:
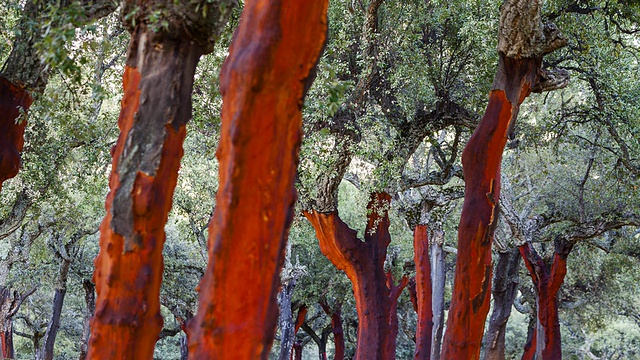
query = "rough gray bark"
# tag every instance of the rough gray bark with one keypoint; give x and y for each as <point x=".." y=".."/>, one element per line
<point x="505" y="286"/>
<point x="438" y="277"/>
<point x="285" y="321"/>
<point x="90" y="301"/>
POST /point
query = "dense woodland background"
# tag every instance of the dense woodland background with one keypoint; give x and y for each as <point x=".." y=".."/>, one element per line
<point x="575" y="158"/>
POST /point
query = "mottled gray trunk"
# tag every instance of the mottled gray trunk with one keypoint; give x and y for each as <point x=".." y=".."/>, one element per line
<point x="505" y="287"/>
<point x="438" y="277"/>
<point x="90" y="300"/>
<point x="286" y="321"/>
<point x="46" y="352"/>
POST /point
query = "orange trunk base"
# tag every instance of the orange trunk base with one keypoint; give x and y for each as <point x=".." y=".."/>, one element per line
<point x="263" y="82"/>
<point x="14" y="102"/>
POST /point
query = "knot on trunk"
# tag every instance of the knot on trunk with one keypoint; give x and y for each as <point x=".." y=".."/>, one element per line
<point x="551" y="79"/>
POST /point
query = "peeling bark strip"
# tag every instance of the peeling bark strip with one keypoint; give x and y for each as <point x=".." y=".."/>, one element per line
<point x="156" y="105"/>
<point x="523" y="41"/>
<point x="270" y="67"/>
<point x="14" y="102"/>
<point x="363" y="262"/>
<point x="546" y="343"/>
<point x="423" y="293"/>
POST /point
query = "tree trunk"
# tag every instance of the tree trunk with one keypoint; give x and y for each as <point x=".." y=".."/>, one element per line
<point x="90" y="301"/>
<point x="522" y="43"/>
<point x="6" y="326"/>
<point x="505" y="288"/>
<point x="547" y="282"/>
<point x="363" y="262"/>
<point x="270" y="67"/>
<point x="336" y="328"/>
<point x="392" y="314"/>
<point x="14" y="103"/>
<point x="424" y="331"/>
<point x="155" y="108"/>
<point x="46" y="352"/>
<point x="25" y="74"/>
<point x="438" y="277"/>
<point x="287" y="325"/>
<point x="297" y="351"/>
<point x="530" y="346"/>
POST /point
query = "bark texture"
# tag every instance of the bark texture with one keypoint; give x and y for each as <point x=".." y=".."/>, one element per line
<point x="505" y="288"/>
<point x="270" y="67"/>
<point x="363" y="262"/>
<point x="547" y="281"/>
<point x="521" y="49"/>
<point x="155" y="108"/>
<point x="424" y="331"/>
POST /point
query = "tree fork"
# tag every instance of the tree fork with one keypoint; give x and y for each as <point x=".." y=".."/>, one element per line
<point x="270" y="67"/>
<point x="546" y="342"/>
<point x="522" y="42"/>
<point x="363" y="263"/>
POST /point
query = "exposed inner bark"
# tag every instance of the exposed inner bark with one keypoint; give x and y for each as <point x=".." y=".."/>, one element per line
<point x="424" y="331"/>
<point x="523" y="41"/>
<point x="363" y="262"/>
<point x="270" y="67"/>
<point x="14" y="103"/>
<point x="504" y="291"/>
<point x="547" y="281"/>
<point x="158" y="80"/>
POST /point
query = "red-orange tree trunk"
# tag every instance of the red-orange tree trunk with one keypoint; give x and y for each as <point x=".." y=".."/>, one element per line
<point x="155" y="108"/>
<point x="14" y="103"/>
<point x="423" y="292"/>
<point x="363" y="262"/>
<point x="546" y="342"/>
<point x="336" y="328"/>
<point x="481" y="165"/>
<point x="263" y="82"/>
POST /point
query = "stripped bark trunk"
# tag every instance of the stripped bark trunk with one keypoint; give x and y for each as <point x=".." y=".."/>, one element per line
<point x="90" y="301"/>
<point x="392" y="314"/>
<point x="523" y="41"/>
<point x="505" y="288"/>
<point x="24" y="75"/>
<point x="336" y="328"/>
<point x="424" y="331"/>
<point x="363" y="262"/>
<point x="270" y="67"/>
<point x="14" y="103"/>
<point x="438" y="277"/>
<point x="547" y="282"/>
<point x="530" y="345"/>
<point x="6" y="324"/>
<point x="297" y="351"/>
<point x="156" y="106"/>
